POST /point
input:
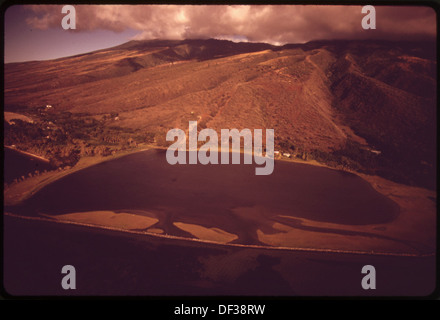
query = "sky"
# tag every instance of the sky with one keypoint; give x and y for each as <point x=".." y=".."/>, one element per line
<point x="34" y="32"/>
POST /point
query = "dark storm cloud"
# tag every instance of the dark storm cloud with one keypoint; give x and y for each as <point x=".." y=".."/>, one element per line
<point x="275" y="24"/>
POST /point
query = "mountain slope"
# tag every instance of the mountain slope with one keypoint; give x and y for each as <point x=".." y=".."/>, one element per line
<point x="368" y="105"/>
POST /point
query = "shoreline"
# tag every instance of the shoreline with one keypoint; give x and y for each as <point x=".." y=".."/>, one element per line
<point x="18" y="192"/>
<point x="28" y="154"/>
<point x="205" y="241"/>
<point x="12" y="198"/>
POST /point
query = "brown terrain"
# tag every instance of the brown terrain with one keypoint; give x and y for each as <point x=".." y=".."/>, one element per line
<point x="363" y="105"/>
<point x="368" y="107"/>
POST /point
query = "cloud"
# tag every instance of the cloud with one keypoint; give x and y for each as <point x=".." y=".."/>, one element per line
<point x="266" y="23"/>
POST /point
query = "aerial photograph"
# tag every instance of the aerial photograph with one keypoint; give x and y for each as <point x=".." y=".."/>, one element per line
<point x="158" y="150"/>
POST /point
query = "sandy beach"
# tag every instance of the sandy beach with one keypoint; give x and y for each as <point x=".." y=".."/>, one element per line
<point x="126" y="221"/>
<point x="211" y="234"/>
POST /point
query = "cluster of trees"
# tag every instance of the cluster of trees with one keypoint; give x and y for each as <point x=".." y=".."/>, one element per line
<point x="65" y="137"/>
<point x="395" y="162"/>
<point x="351" y="157"/>
<point x="36" y="173"/>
